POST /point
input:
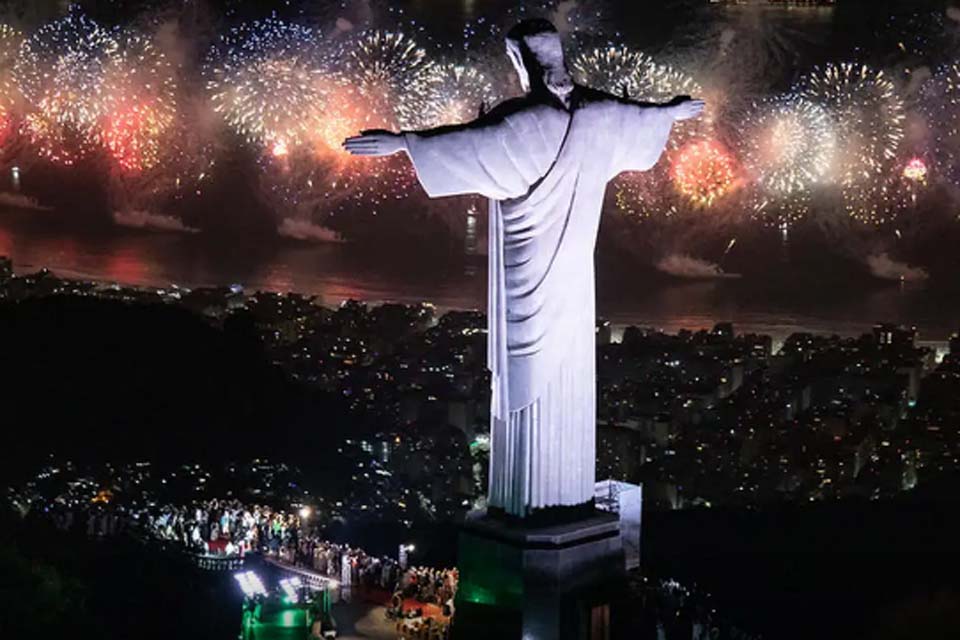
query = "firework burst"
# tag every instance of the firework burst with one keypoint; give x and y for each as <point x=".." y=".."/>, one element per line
<point x="778" y="210"/>
<point x="916" y="171"/>
<point x="632" y="197"/>
<point x="869" y="119"/>
<point x="645" y="195"/>
<point x="141" y="97"/>
<point x="394" y="74"/>
<point x="868" y="115"/>
<point x="61" y="72"/>
<point x="789" y="146"/>
<point x="621" y="71"/>
<point x="386" y="81"/>
<point x="347" y="113"/>
<point x="704" y="171"/>
<point x="625" y="72"/>
<point x="460" y="93"/>
<point x="338" y="178"/>
<point x="913" y="182"/>
<point x="267" y="79"/>
<point x="10" y="42"/>
<point x="941" y="106"/>
<point x="618" y="70"/>
<point x="661" y="83"/>
<point x="881" y="200"/>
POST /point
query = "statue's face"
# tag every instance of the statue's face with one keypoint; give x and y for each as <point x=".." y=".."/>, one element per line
<point x="541" y="56"/>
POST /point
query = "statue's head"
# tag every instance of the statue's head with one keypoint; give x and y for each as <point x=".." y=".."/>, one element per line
<point x="535" y="49"/>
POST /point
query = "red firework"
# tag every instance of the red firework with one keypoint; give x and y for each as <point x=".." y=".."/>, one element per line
<point x="704" y="171"/>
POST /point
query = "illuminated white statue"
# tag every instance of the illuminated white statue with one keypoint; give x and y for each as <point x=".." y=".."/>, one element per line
<point x="544" y="161"/>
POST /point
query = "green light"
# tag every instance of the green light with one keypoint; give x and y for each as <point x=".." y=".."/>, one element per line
<point x="274" y="619"/>
<point x="485" y="577"/>
<point x="479" y="595"/>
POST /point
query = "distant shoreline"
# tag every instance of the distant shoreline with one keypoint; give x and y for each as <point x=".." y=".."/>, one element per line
<point x="778" y="326"/>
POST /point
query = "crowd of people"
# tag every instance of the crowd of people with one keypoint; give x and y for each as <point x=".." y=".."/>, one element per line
<point x="230" y="528"/>
<point x="213" y="527"/>
<point x="329" y="559"/>
<point x="424" y="585"/>
<point x="422" y="603"/>
<point x="428" y="585"/>
<point x="419" y="599"/>
<point x="423" y="628"/>
<point x="222" y="527"/>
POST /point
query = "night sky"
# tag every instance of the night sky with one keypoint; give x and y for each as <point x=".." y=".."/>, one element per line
<point x="740" y="56"/>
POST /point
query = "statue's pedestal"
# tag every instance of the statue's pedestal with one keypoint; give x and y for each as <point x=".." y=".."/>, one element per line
<point x="538" y="581"/>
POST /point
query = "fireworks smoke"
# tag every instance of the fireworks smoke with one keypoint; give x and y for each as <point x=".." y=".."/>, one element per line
<point x="685" y="266"/>
<point x="886" y="268"/>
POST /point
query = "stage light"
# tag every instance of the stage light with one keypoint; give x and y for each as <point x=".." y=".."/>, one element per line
<point x="291" y="587"/>
<point x="250" y="584"/>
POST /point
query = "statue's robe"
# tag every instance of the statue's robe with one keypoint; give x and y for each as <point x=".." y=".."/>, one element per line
<point x="545" y="169"/>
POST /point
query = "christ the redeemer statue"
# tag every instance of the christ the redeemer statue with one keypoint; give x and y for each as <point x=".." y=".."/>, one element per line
<point x="544" y="161"/>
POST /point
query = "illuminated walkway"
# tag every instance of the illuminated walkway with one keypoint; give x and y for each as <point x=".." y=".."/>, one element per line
<point x="314" y="580"/>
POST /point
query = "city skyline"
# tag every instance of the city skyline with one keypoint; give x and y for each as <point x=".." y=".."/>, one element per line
<point x="442" y="320"/>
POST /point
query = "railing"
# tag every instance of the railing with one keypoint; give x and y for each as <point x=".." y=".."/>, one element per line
<point x="313" y="580"/>
<point x="204" y="561"/>
<point x="215" y="563"/>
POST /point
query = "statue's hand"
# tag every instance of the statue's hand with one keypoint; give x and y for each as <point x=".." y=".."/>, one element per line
<point x="685" y="108"/>
<point x="376" y="142"/>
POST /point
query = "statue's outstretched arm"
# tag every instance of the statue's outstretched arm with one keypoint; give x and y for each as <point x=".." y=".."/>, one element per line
<point x="637" y="132"/>
<point x="381" y="142"/>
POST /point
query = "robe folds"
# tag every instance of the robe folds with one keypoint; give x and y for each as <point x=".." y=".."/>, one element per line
<point x="545" y="170"/>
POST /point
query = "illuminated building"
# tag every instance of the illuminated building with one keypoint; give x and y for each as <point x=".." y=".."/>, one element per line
<point x="894" y="336"/>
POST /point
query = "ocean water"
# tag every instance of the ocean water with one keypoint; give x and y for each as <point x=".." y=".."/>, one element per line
<point x="336" y="272"/>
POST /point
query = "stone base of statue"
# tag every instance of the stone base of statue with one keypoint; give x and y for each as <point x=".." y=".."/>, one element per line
<point x="544" y="577"/>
